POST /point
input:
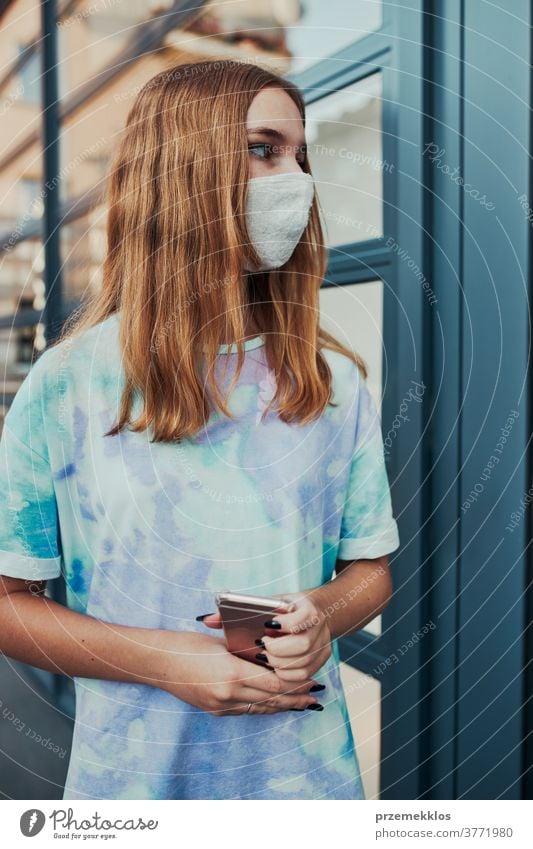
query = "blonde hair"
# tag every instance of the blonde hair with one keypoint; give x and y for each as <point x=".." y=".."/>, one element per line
<point x="176" y="246"/>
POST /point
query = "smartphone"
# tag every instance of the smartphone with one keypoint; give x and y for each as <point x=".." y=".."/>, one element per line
<point x="243" y="618"/>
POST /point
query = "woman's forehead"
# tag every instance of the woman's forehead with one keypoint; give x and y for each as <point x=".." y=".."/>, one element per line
<point x="273" y="108"/>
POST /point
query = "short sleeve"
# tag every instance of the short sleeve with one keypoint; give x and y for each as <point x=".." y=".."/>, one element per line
<point x="368" y="528"/>
<point x="29" y="535"/>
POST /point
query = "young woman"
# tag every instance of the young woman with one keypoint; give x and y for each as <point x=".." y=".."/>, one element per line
<point x="195" y="430"/>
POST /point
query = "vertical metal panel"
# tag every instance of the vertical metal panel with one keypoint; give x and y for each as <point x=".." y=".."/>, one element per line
<point x="527" y="759"/>
<point x="442" y="156"/>
<point x="51" y="174"/>
<point x="495" y="352"/>
<point x="403" y="706"/>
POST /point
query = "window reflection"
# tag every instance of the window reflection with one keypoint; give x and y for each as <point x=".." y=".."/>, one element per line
<point x="256" y="28"/>
<point x="21" y="293"/>
<point x="91" y="36"/>
<point x="344" y="138"/>
<point x="21" y="268"/>
<point x="83" y="244"/>
<point x="30" y="76"/>
<point x="292" y="34"/>
<point x="354" y="315"/>
<point x="326" y="27"/>
<point x="363" y="697"/>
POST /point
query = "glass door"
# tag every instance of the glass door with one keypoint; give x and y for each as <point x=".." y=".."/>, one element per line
<point x="352" y="98"/>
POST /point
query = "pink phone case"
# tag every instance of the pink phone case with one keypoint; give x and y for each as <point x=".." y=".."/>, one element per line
<point x="243" y="617"/>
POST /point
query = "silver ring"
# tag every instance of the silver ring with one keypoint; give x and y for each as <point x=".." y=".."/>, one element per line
<point x="248" y="709"/>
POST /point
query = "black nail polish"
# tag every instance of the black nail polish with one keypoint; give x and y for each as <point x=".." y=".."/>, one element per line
<point x="315" y="706"/>
<point x="262" y="656"/>
<point x="296" y="708"/>
<point x="272" y="624"/>
<point x="202" y="617"/>
<point x="260" y="643"/>
<point x="316" y="687"/>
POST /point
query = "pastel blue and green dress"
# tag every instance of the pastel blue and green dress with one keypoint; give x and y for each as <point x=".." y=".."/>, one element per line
<point x="145" y="533"/>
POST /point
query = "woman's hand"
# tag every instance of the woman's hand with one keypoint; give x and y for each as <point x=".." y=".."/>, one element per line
<point x="208" y="676"/>
<point x="302" y="644"/>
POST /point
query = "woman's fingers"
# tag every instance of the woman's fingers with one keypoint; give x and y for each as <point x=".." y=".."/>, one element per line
<point x="211" y="620"/>
<point x="278" y="704"/>
<point x="292" y="676"/>
<point x="272" y="695"/>
<point x="270" y="684"/>
<point x="291" y="645"/>
<point x="250" y="683"/>
<point x="301" y="619"/>
<point x="292" y="653"/>
<point x="291" y="695"/>
<point x="265" y="703"/>
<point x="297" y="668"/>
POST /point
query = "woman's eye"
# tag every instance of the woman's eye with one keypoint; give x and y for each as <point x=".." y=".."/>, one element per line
<point x="264" y="151"/>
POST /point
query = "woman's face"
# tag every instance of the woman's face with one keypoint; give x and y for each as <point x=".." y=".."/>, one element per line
<point x="276" y="139"/>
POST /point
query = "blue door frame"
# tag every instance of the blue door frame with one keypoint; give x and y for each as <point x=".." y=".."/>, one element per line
<point x="454" y="263"/>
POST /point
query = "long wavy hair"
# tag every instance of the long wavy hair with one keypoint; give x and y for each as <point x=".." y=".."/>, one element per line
<point x="176" y="248"/>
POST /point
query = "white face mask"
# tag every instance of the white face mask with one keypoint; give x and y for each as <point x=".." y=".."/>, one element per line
<point x="277" y="212"/>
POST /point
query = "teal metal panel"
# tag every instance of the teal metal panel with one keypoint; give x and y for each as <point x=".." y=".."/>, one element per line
<point x="495" y="424"/>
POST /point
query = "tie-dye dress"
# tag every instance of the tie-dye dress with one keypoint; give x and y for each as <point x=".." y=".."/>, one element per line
<point x="145" y="534"/>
